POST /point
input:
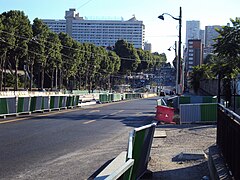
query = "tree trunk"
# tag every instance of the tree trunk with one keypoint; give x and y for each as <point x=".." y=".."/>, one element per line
<point x="60" y="79"/>
<point x="42" y="78"/>
<point x="56" y="78"/>
<point x="31" y="77"/>
<point x="80" y="81"/>
<point x="109" y="83"/>
<point x="52" y="79"/>
<point x="3" y="59"/>
<point x="16" y="74"/>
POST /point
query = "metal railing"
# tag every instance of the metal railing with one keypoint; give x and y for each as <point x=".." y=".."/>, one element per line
<point x="228" y="138"/>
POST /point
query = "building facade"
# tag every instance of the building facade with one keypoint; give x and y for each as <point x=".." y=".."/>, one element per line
<point x="192" y="30"/>
<point x="99" y="32"/>
<point x="194" y="54"/>
<point x="148" y="46"/>
<point x="210" y="35"/>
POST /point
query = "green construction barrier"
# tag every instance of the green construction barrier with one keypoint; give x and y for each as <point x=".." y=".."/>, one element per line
<point x="77" y="98"/>
<point x="209" y="99"/>
<point x="208" y="112"/>
<point x="54" y="102"/>
<point x="12" y="105"/>
<point x="3" y="106"/>
<point x="117" y="97"/>
<point x="23" y="104"/>
<point x="36" y="103"/>
<point x="62" y="101"/>
<point x="142" y="142"/>
<point x="237" y="99"/>
<point x="103" y="98"/>
<point x="110" y="97"/>
<point x="70" y="101"/>
<point x="184" y="100"/>
<point x="33" y="103"/>
<point x="46" y="103"/>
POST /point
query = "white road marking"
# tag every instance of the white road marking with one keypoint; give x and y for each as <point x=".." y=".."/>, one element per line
<point x="87" y="122"/>
<point x="96" y="110"/>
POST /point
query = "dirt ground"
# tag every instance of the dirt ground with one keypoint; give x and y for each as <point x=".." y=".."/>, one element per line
<point x="165" y="163"/>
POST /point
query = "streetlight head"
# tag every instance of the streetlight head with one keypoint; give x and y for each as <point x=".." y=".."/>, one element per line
<point x="161" y="17"/>
<point x="169" y="49"/>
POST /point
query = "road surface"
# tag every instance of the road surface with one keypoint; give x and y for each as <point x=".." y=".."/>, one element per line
<point x="69" y="144"/>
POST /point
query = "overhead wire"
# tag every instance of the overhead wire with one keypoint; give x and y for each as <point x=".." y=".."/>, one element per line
<point x="92" y="53"/>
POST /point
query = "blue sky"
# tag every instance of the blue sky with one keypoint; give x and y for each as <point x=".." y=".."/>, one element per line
<point x="161" y="34"/>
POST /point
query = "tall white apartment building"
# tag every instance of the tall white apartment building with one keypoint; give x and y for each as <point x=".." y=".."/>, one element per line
<point x="192" y="30"/>
<point x="55" y="25"/>
<point x="99" y="32"/>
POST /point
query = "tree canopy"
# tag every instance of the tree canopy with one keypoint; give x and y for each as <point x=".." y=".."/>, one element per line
<point x="51" y="60"/>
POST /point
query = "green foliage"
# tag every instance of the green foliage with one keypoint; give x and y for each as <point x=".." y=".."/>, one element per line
<point x="128" y="55"/>
<point x="16" y="25"/>
<point x="199" y="73"/>
<point x="225" y="63"/>
<point x="46" y="56"/>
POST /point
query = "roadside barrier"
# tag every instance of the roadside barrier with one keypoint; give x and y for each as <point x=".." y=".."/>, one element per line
<point x="178" y="100"/>
<point x="142" y="143"/>
<point x="47" y="101"/>
<point x="205" y="112"/>
<point x="62" y="102"/>
<point x="7" y="106"/>
<point x="75" y="100"/>
<point x="3" y="106"/>
<point x="103" y="98"/>
<point x="54" y="102"/>
<point x="11" y="103"/>
<point x="132" y="164"/>
<point x="117" y="97"/>
<point x="23" y="104"/>
<point x="70" y="101"/>
<point x="165" y="114"/>
<point x="36" y="103"/>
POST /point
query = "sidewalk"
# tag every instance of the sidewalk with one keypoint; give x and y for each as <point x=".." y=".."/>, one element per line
<point x="180" y="155"/>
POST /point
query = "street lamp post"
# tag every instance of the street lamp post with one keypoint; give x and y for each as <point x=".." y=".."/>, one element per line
<point x="179" y="19"/>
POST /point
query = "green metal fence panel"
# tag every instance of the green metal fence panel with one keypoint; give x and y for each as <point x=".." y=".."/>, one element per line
<point x="45" y="102"/>
<point x="38" y="103"/>
<point x="209" y="99"/>
<point x="54" y="102"/>
<point x="142" y="143"/>
<point x="184" y="100"/>
<point x="208" y="112"/>
<point x="20" y="104"/>
<point x="103" y="98"/>
<point x="62" y="101"/>
<point x="3" y="106"/>
<point x="137" y="151"/>
<point x="110" y="97"/>
<point x="237" y="101"/>
<point x="23" y="104"/>
<point x="70" y="100"/>
<point x="76" y="100"/>
<point x="117" y="97"/>
<point x="33" y="102"/>
<point x="12" y="105"/>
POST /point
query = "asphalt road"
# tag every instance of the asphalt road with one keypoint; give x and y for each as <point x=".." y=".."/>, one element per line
<point x="69" y="144"/>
